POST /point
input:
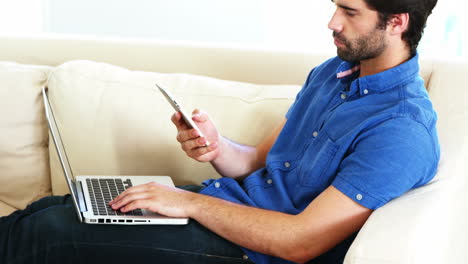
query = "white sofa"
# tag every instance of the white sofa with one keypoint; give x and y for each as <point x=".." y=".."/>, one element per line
<point x="114" y="122"/>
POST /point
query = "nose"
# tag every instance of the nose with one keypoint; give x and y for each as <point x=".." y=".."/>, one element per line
<point x="335" y="23"/>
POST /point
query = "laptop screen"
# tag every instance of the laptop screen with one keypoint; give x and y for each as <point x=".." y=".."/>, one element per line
<point x="62" y="155"/>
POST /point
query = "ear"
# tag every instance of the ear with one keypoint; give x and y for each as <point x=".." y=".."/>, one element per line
<point x="398" y="23"/>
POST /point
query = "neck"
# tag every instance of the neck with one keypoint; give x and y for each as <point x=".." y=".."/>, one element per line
<point x="391" y="57"/>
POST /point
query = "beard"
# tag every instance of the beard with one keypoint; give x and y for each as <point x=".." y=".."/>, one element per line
<point x="362" y="48"/>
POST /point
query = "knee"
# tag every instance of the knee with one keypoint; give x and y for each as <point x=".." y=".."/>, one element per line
<point x="34" y="236"/>
<point x="52" y="223"/>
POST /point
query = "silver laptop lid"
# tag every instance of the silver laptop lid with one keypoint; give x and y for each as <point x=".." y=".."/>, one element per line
<point x="61" y="152"/>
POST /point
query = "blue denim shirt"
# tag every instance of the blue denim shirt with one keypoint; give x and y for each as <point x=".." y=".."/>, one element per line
<point x="373" y="138"/>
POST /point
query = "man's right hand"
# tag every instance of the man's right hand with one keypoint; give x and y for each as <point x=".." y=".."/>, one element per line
<point x="190" y="140"/>
<point x="230" y="159"/>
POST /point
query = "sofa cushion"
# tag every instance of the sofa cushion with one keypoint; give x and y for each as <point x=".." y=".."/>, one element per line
<point x="449" y="95"/>
<point x="23" y="138"/>
<point x="115" y="121"/>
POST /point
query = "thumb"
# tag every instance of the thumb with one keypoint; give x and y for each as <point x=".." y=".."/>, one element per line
<point x="196" y="111"/>
<point x="199" y="116"/>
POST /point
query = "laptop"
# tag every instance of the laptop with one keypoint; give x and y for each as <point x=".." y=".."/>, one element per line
<point x="92" y="193"/>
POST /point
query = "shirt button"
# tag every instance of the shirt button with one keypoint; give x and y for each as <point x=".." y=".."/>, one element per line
<point x="245" y="257"/>
<point x="217" y="184"/>
<point x="287" y="164"/>
<point x="366" y="91"/>
<point x="315" y="134"/>
<point x="343" y="96"/>
<point x="270" y="181"/>
<point x="359" y="197"/>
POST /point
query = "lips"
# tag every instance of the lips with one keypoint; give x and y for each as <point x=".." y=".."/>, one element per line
<point x="338" y="40"/>
<point x="338" y="43"/>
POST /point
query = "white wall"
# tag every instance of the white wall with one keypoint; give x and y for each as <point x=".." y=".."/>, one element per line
<point x="21" y="16"/>
<point x="201" y="20"/>
<point x="265" y="23"/>
<point x="290" y="25"/>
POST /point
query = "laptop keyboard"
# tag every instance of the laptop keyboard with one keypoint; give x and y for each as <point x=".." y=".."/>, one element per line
<point x="102" y="191"/>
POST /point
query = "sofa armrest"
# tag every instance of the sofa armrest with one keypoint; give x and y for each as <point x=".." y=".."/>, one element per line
<point x="415" y="228"/>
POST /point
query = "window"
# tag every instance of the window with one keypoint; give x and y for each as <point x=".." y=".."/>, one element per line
<point x="297" y="25"/>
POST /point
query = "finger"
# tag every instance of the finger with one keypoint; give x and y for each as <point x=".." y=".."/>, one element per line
<point x="138" y="204"/>
<point x="131" y="198"/>
<point x="197" y="152"/>
<point x="175" y="118"/>
<point x="119" y="198"/>
<point x="180" y="124"/>
<point x="194" y="143"/>
<point x="196" y="111"/>
<point x="200" y="117"/>
<point x="138" y="188"/>
<point x="185" y="135"/>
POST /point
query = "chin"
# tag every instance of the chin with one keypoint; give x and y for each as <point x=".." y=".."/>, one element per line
<point x="344" y="56"/>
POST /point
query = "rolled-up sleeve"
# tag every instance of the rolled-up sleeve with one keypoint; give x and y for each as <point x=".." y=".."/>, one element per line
<point x="386" y="161"/>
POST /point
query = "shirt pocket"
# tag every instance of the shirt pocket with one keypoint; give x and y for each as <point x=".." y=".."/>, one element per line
<point x="316" y="168"/>
<point x="284" y="166"/>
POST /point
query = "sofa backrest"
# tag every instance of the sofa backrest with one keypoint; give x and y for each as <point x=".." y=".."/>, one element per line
<point x="115" y="121"/>
<point x="24" y="156"/>
<point x="224" y="62"/>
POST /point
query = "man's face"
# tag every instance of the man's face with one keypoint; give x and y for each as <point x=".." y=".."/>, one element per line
<point x="357" y="32"/>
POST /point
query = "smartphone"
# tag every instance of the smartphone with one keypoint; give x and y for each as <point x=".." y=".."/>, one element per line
<point x="187" y="118"/>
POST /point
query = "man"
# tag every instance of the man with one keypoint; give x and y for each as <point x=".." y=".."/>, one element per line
<point x="360" y="133"/>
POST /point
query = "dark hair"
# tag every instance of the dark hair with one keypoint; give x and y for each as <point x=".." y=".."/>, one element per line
<point x="418" y="11"/>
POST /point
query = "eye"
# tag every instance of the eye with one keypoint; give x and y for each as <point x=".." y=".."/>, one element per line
<point x="350" y="14"/>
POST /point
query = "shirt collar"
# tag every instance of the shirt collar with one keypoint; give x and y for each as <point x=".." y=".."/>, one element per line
<point x="381" y="81"/>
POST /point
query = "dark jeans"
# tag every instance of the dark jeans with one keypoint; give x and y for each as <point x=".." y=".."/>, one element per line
<point x="48" y="231"/>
